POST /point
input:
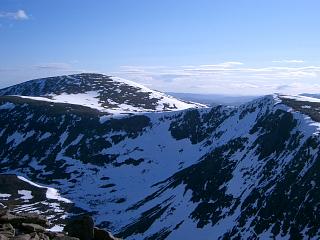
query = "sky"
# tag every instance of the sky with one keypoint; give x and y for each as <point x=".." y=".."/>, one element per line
<point x="233" y="47"/>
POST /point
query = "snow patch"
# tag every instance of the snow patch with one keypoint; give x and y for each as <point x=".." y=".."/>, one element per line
<point x="45" y="136"/>
<point x="7" y="106"/>
<point x="26" y="195"/>
<point x="5" y="195"/>
<point x="51" y="193"/>
<point x="56" y="228"/>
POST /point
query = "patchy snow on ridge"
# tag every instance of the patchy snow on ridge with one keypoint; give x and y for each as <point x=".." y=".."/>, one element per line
<point x="112" y="95"/>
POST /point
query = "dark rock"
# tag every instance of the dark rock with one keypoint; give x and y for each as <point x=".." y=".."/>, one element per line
<point x="22" y="237"/>
<point x="6" y="217"/>
<point x="100" y="234"/>
<point x="3" y="212"/>
<point x="20" y="218"/>
<point x="7" y="230"/>
<point x="34" y="236"/>
<point x="65" y="238"/>
<point x="3" y="237"/>
<point x="43" y="236"/>
<point x="18" y="226"/>
<point x="52" y="235"/>
<point x="81" y="228"/>
<point x="34" y="218"/>
<point x="31" y="227"/>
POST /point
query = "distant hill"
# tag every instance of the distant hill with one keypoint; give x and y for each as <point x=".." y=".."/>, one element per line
<point x="97" y="91"/>
<point x="213" y="99"/>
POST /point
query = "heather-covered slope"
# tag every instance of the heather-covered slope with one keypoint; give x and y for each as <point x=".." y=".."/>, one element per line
<point x="210" y="173"/>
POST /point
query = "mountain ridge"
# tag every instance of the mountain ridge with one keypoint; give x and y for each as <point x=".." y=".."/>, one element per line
<point x="224" y="172"/>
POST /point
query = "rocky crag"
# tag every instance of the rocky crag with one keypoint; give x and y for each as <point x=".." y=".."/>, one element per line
<point x="30" y="226"/>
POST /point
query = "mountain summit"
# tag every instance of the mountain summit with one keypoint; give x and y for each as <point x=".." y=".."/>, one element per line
<point x="104" y="93"/>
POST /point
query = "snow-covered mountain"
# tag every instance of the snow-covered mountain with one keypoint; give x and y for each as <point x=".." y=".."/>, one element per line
<point x="247" y="172"/>
<point x="108" y="94"/>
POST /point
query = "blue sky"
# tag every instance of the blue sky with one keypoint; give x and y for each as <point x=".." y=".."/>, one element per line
<point x="217" y="46"/>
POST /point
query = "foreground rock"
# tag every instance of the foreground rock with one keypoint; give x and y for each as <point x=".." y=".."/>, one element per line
<point x="18" y="226"/>
<point x="22" y="218"/>
<point x="100" y="234"/>
<point x="83" y="228"/>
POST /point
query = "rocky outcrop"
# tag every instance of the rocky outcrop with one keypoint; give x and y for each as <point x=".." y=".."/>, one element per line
<point x="28" y="226"/>
<point x="23" y="219"/>
<point x="83" y="228"/>
<point x="100" y="234"/>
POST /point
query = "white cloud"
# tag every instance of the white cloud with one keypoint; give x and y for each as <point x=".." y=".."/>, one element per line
<point x="233" y="78"/>
<point x="18" y="15"/>
<point x="223" y="65"/>
<point x="227" y="78"/>
<point x="288" y="61"/>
